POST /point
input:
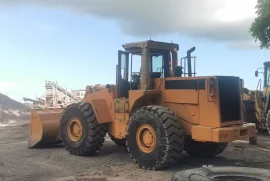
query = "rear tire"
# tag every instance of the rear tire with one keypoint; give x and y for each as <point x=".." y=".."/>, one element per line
<point x="253" y="140"/>
<point x="168" y="138"/>
<point x="93" y="134"/>
<point x="249" y="112"/>
<point x="203" y="149"/>
<point x="120" y="142"/>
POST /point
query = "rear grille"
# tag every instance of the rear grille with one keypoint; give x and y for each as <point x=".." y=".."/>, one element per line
<point x="229" y="96"/>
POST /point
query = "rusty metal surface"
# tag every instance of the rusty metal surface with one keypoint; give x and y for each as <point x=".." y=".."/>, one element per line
<point x="224" y="134"/>
<point x="145" y="67"/>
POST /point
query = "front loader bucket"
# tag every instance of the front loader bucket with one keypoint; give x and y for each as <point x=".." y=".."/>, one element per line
<point x="44" y="127"/>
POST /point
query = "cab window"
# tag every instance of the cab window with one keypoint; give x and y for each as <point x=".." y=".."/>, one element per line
<point x="157" y="64"/>
<point x="268" y="76"/>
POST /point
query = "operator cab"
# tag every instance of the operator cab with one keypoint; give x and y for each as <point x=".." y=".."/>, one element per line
<point x="149" y="60"/>
<point x="265" y="72"/>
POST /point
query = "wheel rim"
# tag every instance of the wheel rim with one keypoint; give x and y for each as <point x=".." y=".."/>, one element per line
<point x="74" y="129"/>
<point x="146" y="138"/>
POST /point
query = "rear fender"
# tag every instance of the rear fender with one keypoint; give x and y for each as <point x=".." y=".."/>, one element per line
<point x="102" y="104"/>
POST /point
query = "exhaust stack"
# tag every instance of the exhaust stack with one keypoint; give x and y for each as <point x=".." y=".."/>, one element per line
<point x="189" y="60"/>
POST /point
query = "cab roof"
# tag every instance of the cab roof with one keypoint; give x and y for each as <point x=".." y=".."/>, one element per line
<point x="154" y="46"/>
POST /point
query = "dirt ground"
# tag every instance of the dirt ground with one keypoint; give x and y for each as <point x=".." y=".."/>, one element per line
<point x="17" y="162"/>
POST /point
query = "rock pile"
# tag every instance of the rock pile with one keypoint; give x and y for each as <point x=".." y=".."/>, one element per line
<point x="12" y="112"/>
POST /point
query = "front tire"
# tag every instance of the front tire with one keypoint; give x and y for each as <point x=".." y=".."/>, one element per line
<point x="80" y="131"/>
<point x="203" y="149"/>
<point x="155" y="138"/>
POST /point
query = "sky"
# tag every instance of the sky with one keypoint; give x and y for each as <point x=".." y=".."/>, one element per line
<point x="75" y="42"/>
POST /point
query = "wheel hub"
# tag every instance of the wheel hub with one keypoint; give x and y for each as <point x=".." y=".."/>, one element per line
<point x="146" y="138"/>
<point x="74" y="129"/>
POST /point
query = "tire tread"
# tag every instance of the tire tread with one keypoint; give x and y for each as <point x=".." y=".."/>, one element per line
<point x="174" y="136"/>
<point x="96" y="134"/>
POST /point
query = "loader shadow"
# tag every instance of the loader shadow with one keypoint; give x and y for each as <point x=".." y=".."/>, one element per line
<point x="49" y="146"/>
<point x="112" y="149"/>
<point x="185" y="162"/>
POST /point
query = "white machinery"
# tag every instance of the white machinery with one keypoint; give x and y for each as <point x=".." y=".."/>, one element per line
<point x="55" y="97"/>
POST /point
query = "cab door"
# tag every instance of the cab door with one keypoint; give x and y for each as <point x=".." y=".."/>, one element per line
<point x="122" y="74"/>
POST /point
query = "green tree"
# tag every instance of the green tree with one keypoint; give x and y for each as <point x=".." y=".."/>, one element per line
<point x="260" y="28"/>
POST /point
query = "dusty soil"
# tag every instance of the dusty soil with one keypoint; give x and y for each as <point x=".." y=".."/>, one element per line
<point x="11" y="111"/>
<point x="17" y="162"/>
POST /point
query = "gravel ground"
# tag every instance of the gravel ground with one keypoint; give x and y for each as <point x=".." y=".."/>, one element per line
<point x="112" y="163"/>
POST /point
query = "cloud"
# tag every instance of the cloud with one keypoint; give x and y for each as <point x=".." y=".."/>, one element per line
<point x="243" y="45"/>
<point x="223" y="20"/>
<point x="45" y="28"/>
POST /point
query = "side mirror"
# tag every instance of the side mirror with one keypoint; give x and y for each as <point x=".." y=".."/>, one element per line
<point x="256" y="73"/>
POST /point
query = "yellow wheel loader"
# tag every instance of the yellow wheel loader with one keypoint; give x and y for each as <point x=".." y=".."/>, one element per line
<point x="257" y="102"/>
<point x="157" y="112"/>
